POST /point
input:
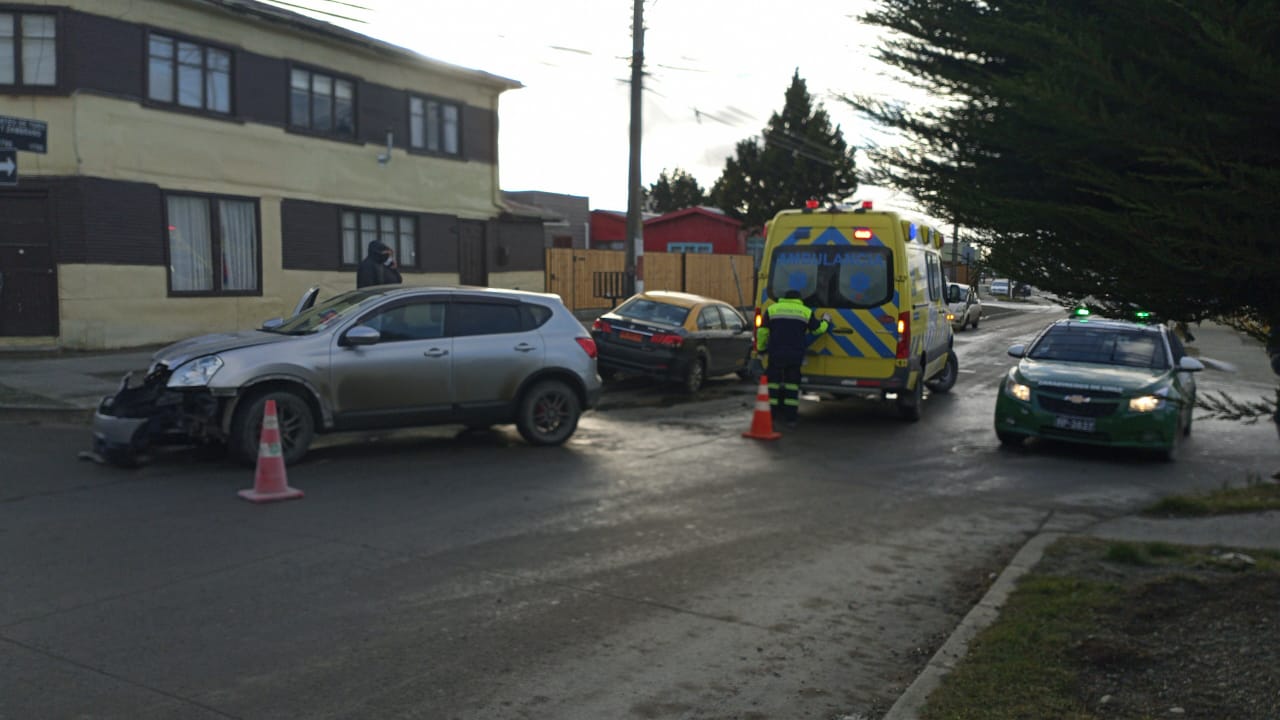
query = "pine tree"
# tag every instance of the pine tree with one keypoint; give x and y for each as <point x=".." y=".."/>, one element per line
<point x="798" y="156"/>
<point x="1125" y="151"/>
<point x="677" y="191"/>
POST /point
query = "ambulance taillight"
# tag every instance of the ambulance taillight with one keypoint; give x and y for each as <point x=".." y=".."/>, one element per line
<point x="904" y="335"/>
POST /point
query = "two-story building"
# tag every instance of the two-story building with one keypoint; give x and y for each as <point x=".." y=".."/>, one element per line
<point x="208" y="160"/>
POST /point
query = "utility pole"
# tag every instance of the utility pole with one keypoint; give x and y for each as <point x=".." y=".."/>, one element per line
<point x="635" y="224"/>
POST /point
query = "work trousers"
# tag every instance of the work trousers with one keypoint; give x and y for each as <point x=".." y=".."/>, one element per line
<point x="784" y="390"/>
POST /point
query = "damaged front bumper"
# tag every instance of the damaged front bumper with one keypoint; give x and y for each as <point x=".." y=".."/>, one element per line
<point x="138" y="417"/>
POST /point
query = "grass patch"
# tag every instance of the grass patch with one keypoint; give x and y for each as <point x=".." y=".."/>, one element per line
<point x="1256" y="496"/>
<point x="1019" y="667"/>
<point x="1062" y="640"/>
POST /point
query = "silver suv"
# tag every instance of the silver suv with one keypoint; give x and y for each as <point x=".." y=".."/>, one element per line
<point x="379" y="357"/>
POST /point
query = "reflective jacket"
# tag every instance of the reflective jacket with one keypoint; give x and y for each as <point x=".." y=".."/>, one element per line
<point x="784" y="330"/>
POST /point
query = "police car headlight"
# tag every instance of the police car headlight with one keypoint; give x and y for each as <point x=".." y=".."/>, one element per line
<point x="1146" y="403"/>
<point x="196" y="373"/>
<point x="1017" y="390"/>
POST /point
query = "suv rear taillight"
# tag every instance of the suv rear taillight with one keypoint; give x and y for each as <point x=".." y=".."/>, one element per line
<point x="904" y="335"/>
<point x="588" y="346"/>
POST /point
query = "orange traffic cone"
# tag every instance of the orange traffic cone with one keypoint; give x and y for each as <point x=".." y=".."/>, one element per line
<point x="269" y="481"/>
<point x="762" y="420"/>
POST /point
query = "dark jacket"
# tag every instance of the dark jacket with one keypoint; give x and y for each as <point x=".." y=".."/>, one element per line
<point x="784" y="331"/>
<point x="374" y="269"/>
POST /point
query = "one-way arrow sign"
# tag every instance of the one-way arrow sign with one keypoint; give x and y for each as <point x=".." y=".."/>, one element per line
<point x="8" y="167"/>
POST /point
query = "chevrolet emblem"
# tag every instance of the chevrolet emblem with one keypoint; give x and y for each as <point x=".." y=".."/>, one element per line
<point x="1077" y="399"/>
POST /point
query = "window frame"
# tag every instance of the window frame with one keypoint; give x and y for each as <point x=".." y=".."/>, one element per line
<point x="59" y="52"/>
<point x="441" y="103"/>
<point x="691" y="248"/>
<point x="361" y="245"/>
<point x="215" y="244"/>
<point x="232" y="112"/>
<point x="309" y="129"/>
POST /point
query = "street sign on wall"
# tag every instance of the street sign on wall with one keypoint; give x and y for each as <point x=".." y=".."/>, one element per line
<point x="8" y="168"/>
<point x="23" y="134"/>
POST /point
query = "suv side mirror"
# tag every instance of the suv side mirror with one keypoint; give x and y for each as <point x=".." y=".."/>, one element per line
<point x="272" y="324"/>
<point x="1017" y="350"/>
<point x="361" y="335"/>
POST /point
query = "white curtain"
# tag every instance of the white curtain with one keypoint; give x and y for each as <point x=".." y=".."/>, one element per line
<point x="239" y="245"/>
<point x="190" y="246"/>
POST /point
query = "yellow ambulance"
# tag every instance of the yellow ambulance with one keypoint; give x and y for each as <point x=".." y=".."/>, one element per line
<point x="877" y="279"/>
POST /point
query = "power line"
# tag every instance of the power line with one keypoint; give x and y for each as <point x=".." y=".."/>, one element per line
<point x="317" y="11"/>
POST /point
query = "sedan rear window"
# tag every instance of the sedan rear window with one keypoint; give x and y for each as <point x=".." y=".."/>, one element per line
<point x="647" y="310"/>
<point x="1102" y="346"/>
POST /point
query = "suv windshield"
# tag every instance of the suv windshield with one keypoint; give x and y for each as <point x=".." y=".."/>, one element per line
<point x="322" y="316"/>
<point x="1102" y="346"/>
<point x="654" y="312"/>
<point x="833" y="276"/>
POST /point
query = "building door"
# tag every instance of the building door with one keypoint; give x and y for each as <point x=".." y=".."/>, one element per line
<point x="471" y="255"/>
<point x="28" y="276"/>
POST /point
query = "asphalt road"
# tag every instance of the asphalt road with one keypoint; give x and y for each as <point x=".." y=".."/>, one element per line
<point x="657" y="566"/>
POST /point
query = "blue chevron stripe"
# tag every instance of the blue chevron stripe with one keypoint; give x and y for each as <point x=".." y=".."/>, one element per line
<point x="847" y="346"/>
<point x="866" y="333"/>
<point x="793" y="238"/>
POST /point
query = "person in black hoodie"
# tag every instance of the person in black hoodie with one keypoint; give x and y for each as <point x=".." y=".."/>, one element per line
<point x="378" y="267"/>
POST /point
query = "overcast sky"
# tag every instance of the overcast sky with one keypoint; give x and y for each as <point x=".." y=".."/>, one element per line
<point x="716" y="71"/>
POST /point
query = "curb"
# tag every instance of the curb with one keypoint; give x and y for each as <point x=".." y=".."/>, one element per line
<point x="912" y="700"/>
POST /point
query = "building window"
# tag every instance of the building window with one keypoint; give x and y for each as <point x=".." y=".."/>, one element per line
<point x="322" y="103"/>
<point x="687" y="247"/>
<point x="433" y="126"/>
<point x="213" y="245"/>
<point x="188" y="74"/>
<point x="28" y="49"/>
<point x="398" y="232"/>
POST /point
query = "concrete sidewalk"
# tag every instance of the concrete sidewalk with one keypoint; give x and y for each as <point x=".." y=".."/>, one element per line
<point x="63" y="386"/>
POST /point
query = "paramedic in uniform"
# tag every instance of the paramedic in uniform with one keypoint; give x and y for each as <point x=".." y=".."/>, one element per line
<point x="783" y="335"/>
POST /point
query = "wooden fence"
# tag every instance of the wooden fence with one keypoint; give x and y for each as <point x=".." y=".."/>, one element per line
<point x="572" y="274"/>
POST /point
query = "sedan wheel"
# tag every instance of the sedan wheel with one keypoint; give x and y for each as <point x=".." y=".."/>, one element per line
<point x="297" y="427"/>
<point x="549" y="413"/>
<point x="695" y="376"/>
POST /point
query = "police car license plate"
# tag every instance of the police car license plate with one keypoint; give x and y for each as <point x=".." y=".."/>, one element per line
<point x="1079" y="424"/>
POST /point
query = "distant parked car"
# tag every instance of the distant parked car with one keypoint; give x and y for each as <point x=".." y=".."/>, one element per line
<point x="379" y="357"/>
<point x="1100" y="382"/>
<point x="963" y="306"/>
<point x="999" y="287"/>
<point x="675" y="336"/>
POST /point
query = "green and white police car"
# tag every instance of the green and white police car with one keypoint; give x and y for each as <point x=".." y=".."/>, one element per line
<point x="1100" y="382"/>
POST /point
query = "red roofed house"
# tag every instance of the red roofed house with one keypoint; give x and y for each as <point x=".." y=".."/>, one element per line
<point x="695" y="230"/>
<point x="692" y="230"/>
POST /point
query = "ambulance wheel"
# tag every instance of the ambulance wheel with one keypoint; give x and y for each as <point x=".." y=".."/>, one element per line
<point x="909" y="402"/>
<point x="945" y="380"/>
